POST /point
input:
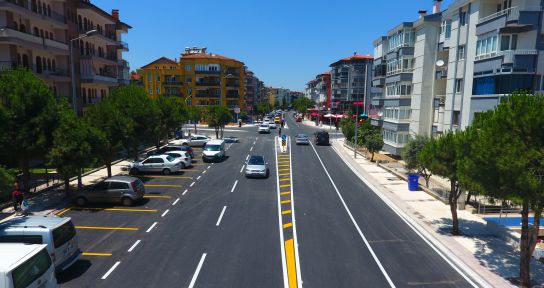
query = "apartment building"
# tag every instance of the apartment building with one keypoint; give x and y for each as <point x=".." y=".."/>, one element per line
<point x="253" y="91"/>
<point x="319" y="90"/>
<point x="36" y="35"/>
<point x="451" y="65"/>
<point x="199" y="77"/>
<point x="351" y="82"/>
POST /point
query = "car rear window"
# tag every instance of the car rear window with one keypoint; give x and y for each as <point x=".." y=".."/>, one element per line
<point x="139" y="184"/>
<point x="63" y="234"/>
<point x="169" y="158"/>
<point x="118" y="185"/>
<point x="31" y="270"/>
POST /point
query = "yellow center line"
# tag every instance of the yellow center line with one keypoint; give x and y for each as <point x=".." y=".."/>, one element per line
<point x="162" y="185"/>
<point x="170" y="177"/>
<point x="158" y="196"/>
<point x="285" y="201"/>
<point x="287" y="225"/>
<point x="284" y="174"/>
<point x="285" y="193"/>
<point x="286" y="212"/>
<point x="291" y="266"/>
<point x="285" y="179"/>
<point x="95" y="254"/>
<point x="284" y="169"/>
<point x="285" y="185"/>
<point x="116" y="209"/>
<point x="106" y="228"/>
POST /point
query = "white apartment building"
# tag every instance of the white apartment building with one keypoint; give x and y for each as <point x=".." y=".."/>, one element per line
<point x="460" y="62"/>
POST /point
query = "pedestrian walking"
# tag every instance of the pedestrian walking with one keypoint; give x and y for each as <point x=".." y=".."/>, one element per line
<point x="17" y="197"/>
<point x="279" y="131"/>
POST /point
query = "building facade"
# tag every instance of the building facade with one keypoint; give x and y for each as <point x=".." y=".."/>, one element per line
<point x="36" y="35"/>
<point x="253" y="91"/>
<point x="439" y="72"/>
<point x="200" y="78"/>
<point x="351" y="82"/>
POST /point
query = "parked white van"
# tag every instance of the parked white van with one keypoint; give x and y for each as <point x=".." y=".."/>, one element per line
<point x="58" y="233"/>
<point x="26" y="265"/>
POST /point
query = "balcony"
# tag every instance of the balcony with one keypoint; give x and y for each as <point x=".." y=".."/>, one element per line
<point x="10" y="35"/>
<point x="172" y="83"/>
<point x="122" y="45"/>
<point x="233" y="95"/>
<point x="235" y="84"/>
<point x="207" y="72"/>
<point x="207" y="95"/>
<point x="510" y="14"/>
<point x="509" y="55"/>
<point x="208" y="81"/>
<point x="107" y="59"/>
<point x="56" y="74"/>
<point x="232" y="72"/>
<point x="23" y="7"/>
<point x="441" y="72"/>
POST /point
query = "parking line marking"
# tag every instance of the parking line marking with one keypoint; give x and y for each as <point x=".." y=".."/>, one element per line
<point x="254" y="142"/>
<point x="184" y="192"/>
<point x="162" y="185"/>
<point x="96" y="254"/>
<point x="242" y="168"/>
<point x="165" y="212"/>
<point x="285" y="201"/>
<point x="111" y="270"/>
<point x="287" y="225"/>
<point x="158" y="196"/>
<point x="234" y="186"/>
<point x="168" y="177"/>
<point x="197" y="178"/>
<point x="198" y="267"/>
<point x="251" y="149"/>
<point x="106" y="228"/>
<point x="175" y="202"/>
<point x="221" y="215"/>
<point x="151" y="227"/>
<point x="285" y="185"/>
<point x="134" y="245"/>
<point x="286" y="212"/>
<point x="117" y="209"/>
<point x="64" y="211"/>
<point x="285" y="193"/>
<point x="192" y="184"/>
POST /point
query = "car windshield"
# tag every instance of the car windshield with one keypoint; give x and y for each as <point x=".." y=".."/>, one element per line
<point x="212" y="148"/>
<point x="263" y="126"/>
<point x="302" y="136"/>
<point x="256" y="160"/>
<point x="170" y="158"/>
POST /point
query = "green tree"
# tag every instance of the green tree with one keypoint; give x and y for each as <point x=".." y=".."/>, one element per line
<point x="27" y="114"/>
<point x="194" y="114"/>
<point x="217" y="117"/>
<point x="302" y="104"/>
<point x="410" y="156"/>
<point x="348" y="127"/>
<point x="263" y="108"/>
<point x="374" y="143"/>
<point x="71" y="149"/>
<point x="142" y="116"/>
<point x="283" y="103"/>
<point x="172" y="113"/>
<point x="366" y="130"/>
<point x="442" y="156"/>
<point x="7" y="180"/>
<point x="509" y="141"/>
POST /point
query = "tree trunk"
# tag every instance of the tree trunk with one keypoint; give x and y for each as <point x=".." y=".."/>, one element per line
<point x="372" y="157"/>
<point x="195" y="127"/>
<point x="533" y="233"/>
<point x="525" y="254"/>
<point x="216" y="132"/>
<point x="66" y="186"/>
<point x="25" y="168"/>
<point x="469" y="195"/>
<point x="79" y="180"/>
<point x="108" y="167"/>
<point x="452" y="200"/>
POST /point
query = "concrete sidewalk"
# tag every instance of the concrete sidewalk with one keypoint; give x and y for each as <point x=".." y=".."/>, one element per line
<point x="490" y="257"/>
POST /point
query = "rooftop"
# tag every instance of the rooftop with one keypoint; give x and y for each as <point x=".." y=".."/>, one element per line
<point x="353" y="58"/>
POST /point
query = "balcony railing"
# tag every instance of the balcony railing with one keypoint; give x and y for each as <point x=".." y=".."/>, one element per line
<point x="207" y="72"/>
<point x="207" y="83"/>
<point x="48" y="13"/>
<point x="208" y="95"/>
<point x="509" y="54"/>
<point x="10" y="65"/>
<point x="511" y="14"/>
<point x="123" y="45"/>
<point x="233" y="95"/>
<point x="172" y="82"/>
<point x="14" y="33"/>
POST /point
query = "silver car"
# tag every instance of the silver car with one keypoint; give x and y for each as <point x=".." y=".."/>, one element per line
<point x="183" y="156"/>
<point x="196" y="140"/>
<point x="158" y="163"/>
<point x="117" y="189"/>
<point x="256" y="166"/>
<point x="302" y="139"/>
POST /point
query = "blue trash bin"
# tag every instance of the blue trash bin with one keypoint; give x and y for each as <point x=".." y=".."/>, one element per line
<point x="413" y="182"/>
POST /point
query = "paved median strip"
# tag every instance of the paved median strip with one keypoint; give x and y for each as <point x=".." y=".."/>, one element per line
<point x="107" y="228"/>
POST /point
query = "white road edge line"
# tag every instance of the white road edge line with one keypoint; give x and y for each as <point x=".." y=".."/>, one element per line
<point x="198" y="267"/>
<point x="165" y="212"/>
<point x="234" y="186"/>
<point x="295" y="237"/>
<point x="426" y="236"/>
<point x="151" y="227"/>
<point x="175" y="202"/>
<point x="251" y="149"/>
<point x="192" y="184"/>
<point x="221" y="216"/>
<point x="111" y="270"/>
<point x="184" y="192"/>
<point x="198" y="178"/>
<point x="378" y="262"/>
<point x="134" y="245"/>
<point x="209" y="166"/>
<point x="242" y="168"/>
<point x="247" y="157"/>
<point x="203" y="171"/>
<point x="283" y="264"/>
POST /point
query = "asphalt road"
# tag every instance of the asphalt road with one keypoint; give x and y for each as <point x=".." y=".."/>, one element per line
<point x="209" y="226"/>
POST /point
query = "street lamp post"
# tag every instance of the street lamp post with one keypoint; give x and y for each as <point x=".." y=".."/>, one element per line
<point x="73" y="66"/>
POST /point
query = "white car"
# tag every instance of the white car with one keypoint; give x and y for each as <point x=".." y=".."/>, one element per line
<point x="272" y="125"/>
<point x="158" y="163"/>
<point x="196" y="140"/>
<point x="183" y="156"/>
<point x="264" y="128"/>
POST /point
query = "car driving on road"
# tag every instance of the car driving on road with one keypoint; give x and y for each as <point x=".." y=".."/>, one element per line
<point x="321" y="138"/>
<point x="256" y="166"/>
<point x="264" y="128"/>
<point x="158" y="163"/>
<point x="117" y="189"/>
<point x="214" y="151"/>
<point x="302" y="139"/>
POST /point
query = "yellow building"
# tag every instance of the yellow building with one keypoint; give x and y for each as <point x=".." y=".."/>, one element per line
<point x="200" y="78"/>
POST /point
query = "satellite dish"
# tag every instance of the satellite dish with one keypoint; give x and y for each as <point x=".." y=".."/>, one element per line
<point x="440" y="63"/>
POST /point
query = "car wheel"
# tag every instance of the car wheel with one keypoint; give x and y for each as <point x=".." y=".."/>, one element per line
<point x="166" y="171"/>
<point x="134" y="171"/>
<point x="183" y="165"/>
<point x="127" y="201"/>
<point x="80" y="201"/>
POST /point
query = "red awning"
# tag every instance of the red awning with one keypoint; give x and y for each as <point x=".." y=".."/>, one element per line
<point x="314" y="114"/>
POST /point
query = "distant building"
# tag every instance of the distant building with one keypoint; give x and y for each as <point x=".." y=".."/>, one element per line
<point x="253" y="91"/>
<point x="319" y="90"/>
<point x="351" y="82"/>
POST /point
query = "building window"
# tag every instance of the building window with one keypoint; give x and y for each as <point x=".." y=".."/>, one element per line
<point x="150" y="91"/>
<point x="460" y="52"/>
<point x="149" y="77"/>
<point x="188" y="67"/>
<point x="456" y="118"/>
<point x="158" y="90"/>
<point x="189" y="92"/>
<point x="156" y="67"/>
<point x="158" y="78"/>
<point x="200" y="67"/>
<point x="458" y="85"/>
<point x="486" y="47"/>
<point x="542" y="83"/>
<point x="445" y="29"/>
<point x="463" y="18"/>
<point x="509" y="42"/>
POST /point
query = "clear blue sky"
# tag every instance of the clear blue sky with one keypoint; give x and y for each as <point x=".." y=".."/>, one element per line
<point x="285" y="42"/>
